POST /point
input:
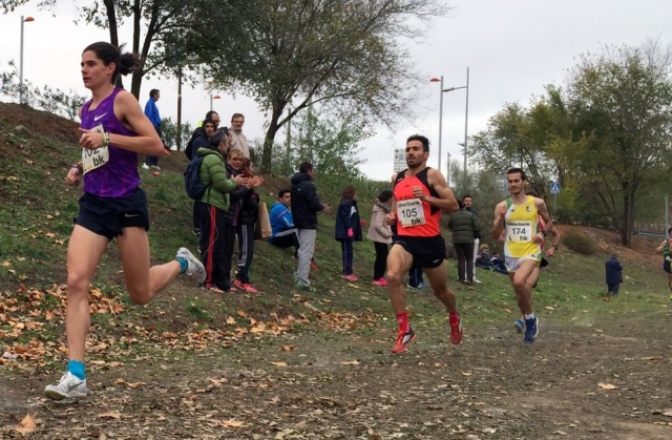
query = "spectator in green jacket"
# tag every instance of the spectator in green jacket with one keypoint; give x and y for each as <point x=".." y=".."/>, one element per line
<point x="466" y="228"/>
<point x="211" y="210"/>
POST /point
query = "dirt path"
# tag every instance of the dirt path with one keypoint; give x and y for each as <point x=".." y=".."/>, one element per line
<point x="347" y="386"/>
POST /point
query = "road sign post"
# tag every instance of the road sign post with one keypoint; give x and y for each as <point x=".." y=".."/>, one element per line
<point x="555" y="190"/>
<point x="399" y="159"/>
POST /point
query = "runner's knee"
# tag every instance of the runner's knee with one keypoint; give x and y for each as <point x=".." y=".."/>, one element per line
<point x="138" y="295"/>
<point x="519" y="283"/>
<point x="78" y="284"/>
<point x="393" y="278"/>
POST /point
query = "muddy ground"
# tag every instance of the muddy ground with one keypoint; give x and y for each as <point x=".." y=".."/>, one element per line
<point x="576" y="382"/>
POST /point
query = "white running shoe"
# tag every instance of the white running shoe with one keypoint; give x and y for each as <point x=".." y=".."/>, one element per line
<point x="477" y="281"/>
<point x="144" y="166"/>
<point x="194" y="267"/>
<point x="69" y="387"/>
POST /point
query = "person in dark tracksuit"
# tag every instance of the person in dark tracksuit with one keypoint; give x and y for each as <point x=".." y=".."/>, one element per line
<point x="614" y="272"/>
<point x="240" y="219"/>
<point x="211" y="211"/>
<point x="348" y="229"/>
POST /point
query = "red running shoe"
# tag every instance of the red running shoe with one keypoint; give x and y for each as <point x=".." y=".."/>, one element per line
<point x="403" y="340"/>
<point x="456" y="331"/>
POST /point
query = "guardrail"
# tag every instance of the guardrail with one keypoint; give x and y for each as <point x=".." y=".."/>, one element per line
<point x="649" y="234"/>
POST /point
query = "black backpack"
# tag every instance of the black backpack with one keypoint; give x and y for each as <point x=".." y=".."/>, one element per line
<point x="189" y="150"/>
<point x="192" y="179"/>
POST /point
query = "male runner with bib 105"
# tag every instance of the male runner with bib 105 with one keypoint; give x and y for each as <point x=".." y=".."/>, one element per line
<point x="519" y="216"/>
<point x="420" y="194"/>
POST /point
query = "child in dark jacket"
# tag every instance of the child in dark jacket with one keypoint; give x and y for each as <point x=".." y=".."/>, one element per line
<point x="348" y="229"/>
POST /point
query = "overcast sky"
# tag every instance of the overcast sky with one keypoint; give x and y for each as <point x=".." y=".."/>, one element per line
<point x="513" y="48"/>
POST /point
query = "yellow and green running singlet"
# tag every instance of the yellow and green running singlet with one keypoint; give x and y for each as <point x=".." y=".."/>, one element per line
<point x="522" y="223"/>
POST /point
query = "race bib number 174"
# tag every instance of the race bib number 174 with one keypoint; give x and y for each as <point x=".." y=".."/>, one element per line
<point x="410" y="213"/>
<point x="517" y="231"/>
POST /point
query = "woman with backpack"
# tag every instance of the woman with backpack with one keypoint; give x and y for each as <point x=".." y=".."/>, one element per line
<point x="211" y="209"/>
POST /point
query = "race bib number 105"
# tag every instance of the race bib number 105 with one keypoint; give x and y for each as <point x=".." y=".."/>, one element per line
<point x="410" y="213"/>
<point x="92" y="159"/>
<point x="517" y="231"/>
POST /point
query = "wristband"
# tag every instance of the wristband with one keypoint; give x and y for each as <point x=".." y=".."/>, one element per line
<point x="106" y="139"/>
<point x="77" y="166"/>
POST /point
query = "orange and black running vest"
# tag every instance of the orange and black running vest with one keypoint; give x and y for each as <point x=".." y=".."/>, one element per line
<point x="415" y="218"/>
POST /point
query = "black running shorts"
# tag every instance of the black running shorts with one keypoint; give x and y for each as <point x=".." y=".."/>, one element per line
<point x="109" y="216"/>
<point x="427" y="252"/>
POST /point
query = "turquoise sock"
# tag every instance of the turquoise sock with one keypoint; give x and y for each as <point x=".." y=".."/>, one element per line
<point x="77" y="369"/>
<point x="183" y="264"/>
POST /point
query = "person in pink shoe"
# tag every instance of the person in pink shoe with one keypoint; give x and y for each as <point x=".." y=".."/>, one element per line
<point x="381" y="235"/>
<point x="348" y="229"/>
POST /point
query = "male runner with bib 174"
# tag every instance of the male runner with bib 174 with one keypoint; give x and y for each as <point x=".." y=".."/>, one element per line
<point x="420" y="194"/>
<point x="518" y="216"/>
<point x="114" y="131"/>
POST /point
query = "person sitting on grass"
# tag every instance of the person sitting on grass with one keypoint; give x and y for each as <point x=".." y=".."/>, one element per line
<point x="483" y="257"/>
<point x="282" y="224"/>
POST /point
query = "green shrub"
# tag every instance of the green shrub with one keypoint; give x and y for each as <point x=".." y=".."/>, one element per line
<point x="580" y="243"/>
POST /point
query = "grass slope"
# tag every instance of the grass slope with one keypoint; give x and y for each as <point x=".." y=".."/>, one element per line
<point x="260" y="363"/>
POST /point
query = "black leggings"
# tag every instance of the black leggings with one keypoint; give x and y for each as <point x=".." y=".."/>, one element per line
<point x="380" y="264"/>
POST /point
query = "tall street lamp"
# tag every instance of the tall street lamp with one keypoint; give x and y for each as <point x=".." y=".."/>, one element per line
<point x="435" y="79"/>
<point x="213" y="97"/>
<point x="23" y="20"/>
<point x="466" y="117"/>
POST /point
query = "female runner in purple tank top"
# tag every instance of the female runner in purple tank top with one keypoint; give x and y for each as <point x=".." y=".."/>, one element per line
<point x="114" y="130"/>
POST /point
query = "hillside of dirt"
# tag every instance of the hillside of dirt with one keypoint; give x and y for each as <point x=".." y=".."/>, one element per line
<point x="287" y="364"/>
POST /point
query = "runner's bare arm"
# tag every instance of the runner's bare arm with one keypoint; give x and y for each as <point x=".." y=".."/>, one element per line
<point x="543" y="212"/>
<point x="446" y="200"/>
<point x="659" y="249"/>
<point x="556" y="241"/>
<point x="498" y="223"/>
<point x="127" y="109"/>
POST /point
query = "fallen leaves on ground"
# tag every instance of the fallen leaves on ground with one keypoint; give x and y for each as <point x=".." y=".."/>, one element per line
<point x="27" y="425"/>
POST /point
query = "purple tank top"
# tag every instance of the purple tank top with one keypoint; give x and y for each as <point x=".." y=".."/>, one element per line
<point x="119" y="177"/>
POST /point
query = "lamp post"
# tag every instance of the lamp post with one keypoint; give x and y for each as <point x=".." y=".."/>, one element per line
<point x="213" y="97"/>
<point x="435" y="79"/>
<point x="466" y="118"/>
<point x="27" y="19"/>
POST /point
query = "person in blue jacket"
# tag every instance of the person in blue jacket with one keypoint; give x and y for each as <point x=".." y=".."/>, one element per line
<point x="282" y="223"/>
<point x="348" y="229"/>
<point x="614" y="271"/>
<point x="152" y="113"/>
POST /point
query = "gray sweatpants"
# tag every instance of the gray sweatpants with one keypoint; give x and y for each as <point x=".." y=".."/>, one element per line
<point x="306" y="251"/>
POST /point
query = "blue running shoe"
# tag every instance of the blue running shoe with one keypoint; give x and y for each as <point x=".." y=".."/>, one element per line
<point x="519" y="325"/>
<point x="531" y="330"/>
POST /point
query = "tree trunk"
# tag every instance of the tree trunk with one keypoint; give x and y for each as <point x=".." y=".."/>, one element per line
<point x="136" y="80"/>
<point x="273" y="127"/>
<point x="626" y="224"/>
<point x="114" y="32"/>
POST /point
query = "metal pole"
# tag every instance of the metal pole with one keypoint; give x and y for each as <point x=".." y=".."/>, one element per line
<point x="288" y="157"/>
<point x="440" y="122"/>
<point x="448" y="169"/>
<point x="555" y="204"/>
<point x="179" y="108"/>
<point x="211" y="102"/>
<point x="466" y="125"/>
<point x="667" y="214"/>
<point x="21" y="66"/>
